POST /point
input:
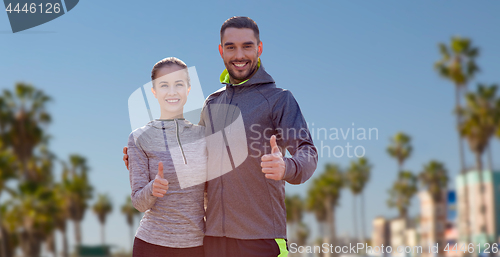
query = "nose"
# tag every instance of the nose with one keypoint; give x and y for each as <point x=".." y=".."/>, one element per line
<point x="239" y="54"/>
<point x="172" y="90"/>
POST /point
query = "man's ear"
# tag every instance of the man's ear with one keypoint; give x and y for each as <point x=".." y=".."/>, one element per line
<point x="154" y="91"/>
<point x="221" y="51"/>
<point x="259" y="51"/>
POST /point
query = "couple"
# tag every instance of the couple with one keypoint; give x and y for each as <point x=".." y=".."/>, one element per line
<point x="245" y="197"/>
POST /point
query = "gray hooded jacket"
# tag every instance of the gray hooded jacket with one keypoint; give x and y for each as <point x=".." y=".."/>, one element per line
<point x="242" y="203"/>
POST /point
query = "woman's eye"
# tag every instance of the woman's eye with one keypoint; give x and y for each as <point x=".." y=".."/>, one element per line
<point x="164" y="85"/>
<point x="180" y="85"/>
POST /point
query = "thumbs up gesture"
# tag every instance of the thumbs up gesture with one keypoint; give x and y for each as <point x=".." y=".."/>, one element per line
<point x="273" y="164"/>
<point x="160" y="185"/>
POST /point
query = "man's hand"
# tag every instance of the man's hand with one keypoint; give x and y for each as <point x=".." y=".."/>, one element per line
<point x="273" y="164"/>
<point x="160" y="185"/>
<point x="125" y="156"/>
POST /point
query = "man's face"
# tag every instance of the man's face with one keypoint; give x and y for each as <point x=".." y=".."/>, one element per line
<point x="240" y="52"/>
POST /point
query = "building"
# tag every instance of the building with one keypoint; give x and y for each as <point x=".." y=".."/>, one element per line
<point x="380" y="233"/>
<point x="433" y="216"/>
<point x="398" y="229"/>
<point x="477" y="220"/>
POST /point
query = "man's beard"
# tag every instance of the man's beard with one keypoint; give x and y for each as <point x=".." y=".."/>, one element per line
<point x="244" y="76"/>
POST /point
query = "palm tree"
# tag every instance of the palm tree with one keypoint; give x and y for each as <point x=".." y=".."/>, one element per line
<point x="357" y="176"/>
<point x="102" y="208"/>
<point x="302" y="233"/>
<point x="324" y="194"/>
<point x="7" y="168"/>
<point x="458" y="65"/>
<point x="403" y="189"/>
<point x="434" y="179"/>
<point x="481" y="116"/>
<point x="26" y="118"/>
<point x="130" y="212"/>
<point x="400" y="148"/>
<point x="61" y="200"/>
<point x="294" y="209"/>
<point x="31" y="213"/>
<point x="79" y="190"/>
<point x="314" y="203"/>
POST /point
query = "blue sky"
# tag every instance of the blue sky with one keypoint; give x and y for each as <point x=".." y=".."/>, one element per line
<point x="362" y="62"/>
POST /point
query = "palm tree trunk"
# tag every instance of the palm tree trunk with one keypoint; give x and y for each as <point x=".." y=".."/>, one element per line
<point x="490" y="158"/>
<point x="479" y="164"/>
<point x="355" y="217"/>
<point x="131" y="233"/>
<point x="330" y="219"/>
<point x="363" y="225"/>
<point x="78" y="234"/>
<point x="463" y="171"/>
<point x="65" y="243"/>
<point x="51" y="243"/>
<point x="3" y="239"/>
<point x="102" y="233"/>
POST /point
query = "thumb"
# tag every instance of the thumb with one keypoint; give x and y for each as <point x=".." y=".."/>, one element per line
<point x="160" y="169"/>
<point x="274" y="146"/>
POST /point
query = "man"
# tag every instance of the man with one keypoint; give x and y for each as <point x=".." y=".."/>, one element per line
<point x="246" y="213"/>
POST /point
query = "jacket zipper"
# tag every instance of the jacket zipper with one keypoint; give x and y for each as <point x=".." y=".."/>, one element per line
<point x="179" y="141"/>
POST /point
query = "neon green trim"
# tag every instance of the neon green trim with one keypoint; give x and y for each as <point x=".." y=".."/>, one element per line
<point x="224" y="76"/>
<point x="282" y="245"/>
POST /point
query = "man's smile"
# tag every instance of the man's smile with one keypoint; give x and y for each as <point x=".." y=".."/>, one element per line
<point x="240" y="65"/>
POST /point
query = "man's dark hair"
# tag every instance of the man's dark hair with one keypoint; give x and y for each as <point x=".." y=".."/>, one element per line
<point x="240" y="22"/>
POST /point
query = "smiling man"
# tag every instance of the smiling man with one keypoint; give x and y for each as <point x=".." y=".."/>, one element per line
<point x="246" y="213"/>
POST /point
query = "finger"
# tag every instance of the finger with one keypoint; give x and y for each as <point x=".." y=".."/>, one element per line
<point x="125" y="150"/>
<point x="268" y="170"/>
<point x="126" y="164"/>
<point x="274" y="146"/>
<point x="160" y="191"/>
<point x="160" y="169"/>
<point x="159" y="180"/>
<point x="268" y="164"/>
<point x="272" y="176"/>
<point x="268" y="157"/>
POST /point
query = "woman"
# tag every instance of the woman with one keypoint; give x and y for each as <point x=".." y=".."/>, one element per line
<point x="167" y="163"/>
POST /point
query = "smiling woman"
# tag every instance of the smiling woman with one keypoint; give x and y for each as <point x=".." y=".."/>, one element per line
<point x="171" y="86"/>
<point x="161" y="154"/>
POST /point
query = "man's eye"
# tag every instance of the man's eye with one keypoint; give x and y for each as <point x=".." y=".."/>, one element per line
<point x="230" y="48"/>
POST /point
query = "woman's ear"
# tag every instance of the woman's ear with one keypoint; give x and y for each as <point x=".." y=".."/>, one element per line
<point x="154" y="91"/>
<point x="189" y="89"/>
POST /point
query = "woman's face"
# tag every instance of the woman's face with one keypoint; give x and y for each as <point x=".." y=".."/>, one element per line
<point x="171" y="89"/>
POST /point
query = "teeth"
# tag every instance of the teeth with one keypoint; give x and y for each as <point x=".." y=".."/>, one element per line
<point x="240" y="65"/>
<point x="173" y="101"/>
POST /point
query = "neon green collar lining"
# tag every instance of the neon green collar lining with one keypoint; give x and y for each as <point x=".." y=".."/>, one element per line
<point x="224" y="77"/>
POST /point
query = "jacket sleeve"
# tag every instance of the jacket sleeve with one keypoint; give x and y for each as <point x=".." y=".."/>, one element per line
<point x="294" y="136"/>
<point x="142" y="186"/>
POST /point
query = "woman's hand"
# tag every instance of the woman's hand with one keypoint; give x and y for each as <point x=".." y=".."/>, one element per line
<point x="160" y="185"/>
